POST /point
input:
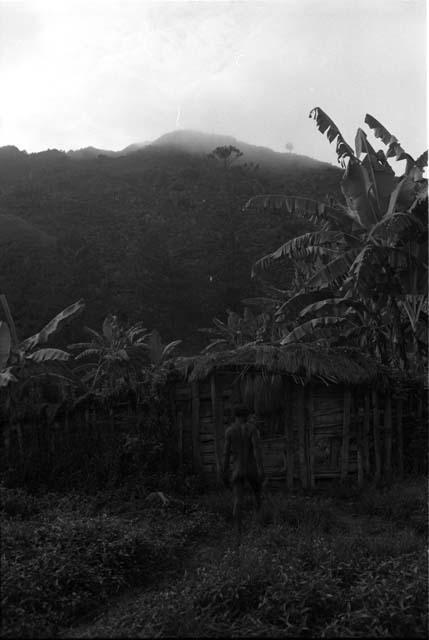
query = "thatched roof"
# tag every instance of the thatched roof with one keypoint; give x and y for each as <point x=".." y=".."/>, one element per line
<point x="303" y="362"/>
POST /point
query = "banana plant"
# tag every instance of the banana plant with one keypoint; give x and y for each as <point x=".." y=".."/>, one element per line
<point x="17" y="356"/>
<point x="372" y="248"/>
<point x="158" y="352"/>
<point x="23" y="366"/>
<point x="118" y="357"/>
<point x="237" y="330"/>
<point x="112" y="358"/>
<point x="347" y="322"/>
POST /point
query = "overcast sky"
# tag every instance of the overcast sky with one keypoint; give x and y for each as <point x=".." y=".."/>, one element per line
<point x="107" y="74"/>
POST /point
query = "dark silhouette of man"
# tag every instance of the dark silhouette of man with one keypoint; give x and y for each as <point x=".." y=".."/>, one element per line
<point x="243" y="449"/>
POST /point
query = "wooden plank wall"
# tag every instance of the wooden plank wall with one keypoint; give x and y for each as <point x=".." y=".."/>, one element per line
<point x="333" y="431"/>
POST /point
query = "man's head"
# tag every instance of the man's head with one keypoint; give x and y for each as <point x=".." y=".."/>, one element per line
<point x="241" y="412"/>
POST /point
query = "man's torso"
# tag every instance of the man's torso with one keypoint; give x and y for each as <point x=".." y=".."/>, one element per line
<point x="242" y="453"/>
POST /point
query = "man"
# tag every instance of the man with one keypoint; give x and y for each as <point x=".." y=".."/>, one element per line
<point x="242" y="444"/>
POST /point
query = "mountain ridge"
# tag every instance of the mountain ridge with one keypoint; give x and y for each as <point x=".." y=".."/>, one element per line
<point x="187" y="140"/>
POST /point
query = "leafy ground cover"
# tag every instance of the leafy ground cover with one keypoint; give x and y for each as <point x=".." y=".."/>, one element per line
<point x="312" y="566"/>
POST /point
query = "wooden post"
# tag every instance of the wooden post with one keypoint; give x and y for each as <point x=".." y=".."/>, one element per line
<point x="399" y="438"/>
<point x="6" y="435"/>
<point x="359" y="443"/>
<point x="365" y="434"/>
<point x="196" y="450"/>
<point x="180" y="438"/>
<point x="376" y="434"/>
<point x="289" y="436"/>
<point x="217" y="412"/>
<point x="417" y="428"/>
<point x="345" y="446"/>
<point x="310" y="436"/>
<point x="419" y="407"/>
<point x="67" y="428"/>
<point x="173" y="416"/>
<point x="301" y="435"/>
<point x="388" y="438"/>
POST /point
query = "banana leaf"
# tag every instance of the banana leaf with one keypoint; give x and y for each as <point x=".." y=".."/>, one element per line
<point x="53" y="325"/>
<point x="215" y="344"/>
<point x="334" y="307"/>
<point x="308" y="328"/>
<point x="328" y="126"/>
<point x="170" y="347"/>
<point x="335" y="271"/>
<point x="356" y="186"/>
<point x="314" y="244"/>
<point x="6" y="377"/>
<point x="264" y="302"/>
<point x="107" y="328"/>
<point x="392" y="226"/>
<point x="5" y="344"/>
<point x="422" y="160"/>
<point x="313" y="210"/>
<point x="292" y="307"/>
<point x="48" y="355"/>
<point x="394" y="148"/>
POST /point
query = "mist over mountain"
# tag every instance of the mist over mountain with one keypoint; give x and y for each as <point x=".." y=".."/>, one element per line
<point x="187" y="140"/>
<point x="198" y="142"/>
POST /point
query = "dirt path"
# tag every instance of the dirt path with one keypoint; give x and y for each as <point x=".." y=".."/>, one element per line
<point x="114" y="619"/>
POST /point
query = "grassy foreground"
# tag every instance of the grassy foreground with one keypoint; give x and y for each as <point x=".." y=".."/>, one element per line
<point x="76" y="566"/>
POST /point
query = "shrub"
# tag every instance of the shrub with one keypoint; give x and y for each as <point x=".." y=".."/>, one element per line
<point x="59" y="567"/>
<point x="404" y="503"/>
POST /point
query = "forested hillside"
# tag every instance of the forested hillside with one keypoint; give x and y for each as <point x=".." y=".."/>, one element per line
<point x="158" y="234"/>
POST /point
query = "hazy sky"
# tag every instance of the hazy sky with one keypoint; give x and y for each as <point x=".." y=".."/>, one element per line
<point x="107" y="74"/>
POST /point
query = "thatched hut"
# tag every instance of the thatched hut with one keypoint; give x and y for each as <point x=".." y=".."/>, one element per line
<point x="322" y="413"/>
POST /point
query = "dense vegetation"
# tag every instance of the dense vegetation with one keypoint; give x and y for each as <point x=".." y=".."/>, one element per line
<point x="313" y="567"/>
<point x="158" y="235"/>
